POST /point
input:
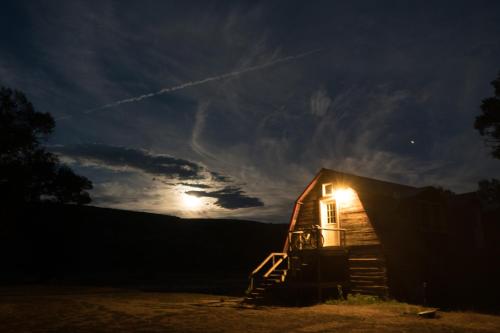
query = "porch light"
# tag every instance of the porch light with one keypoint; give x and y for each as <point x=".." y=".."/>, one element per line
<point x="343" y="195"/>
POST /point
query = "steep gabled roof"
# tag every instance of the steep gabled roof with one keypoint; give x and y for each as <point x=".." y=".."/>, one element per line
<point x="374" y="184"/>
<point x="298" y="202"/>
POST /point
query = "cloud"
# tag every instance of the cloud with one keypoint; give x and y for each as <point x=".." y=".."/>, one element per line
<point x="196" y="185"/>
<point x="229" y="198"/>
<point x="136" y="167"/>
<point x="202" y="81"/>
<point x="113" y="156"/>
<point x="320" y="102"/>
<point x="219" y="177"/>
<point x="353" y="107"/>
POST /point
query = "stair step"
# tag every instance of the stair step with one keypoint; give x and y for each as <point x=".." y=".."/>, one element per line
<point x="275" y="275"/>
<point x="367" y="265"/>
<point x="252" y="294"/>
<point x="363" y="291"/>
<point x="365" y="262"/>
<point x="362" y="276"/>
<point x="256" y="295"/>
<point x="369" y="288"/>
<point x="364" y="259"/>
<point x="366" y="269"/>
<point x="253" y="299"/>
<point x="364" y="279"/>
<point x="366" y="255"/>
<point x="269" y="283"/>
<point x="363" y="283"/>
<point x="381" y="292"/>
<point x="367" y="276"/>
<point x="373" y="293"/>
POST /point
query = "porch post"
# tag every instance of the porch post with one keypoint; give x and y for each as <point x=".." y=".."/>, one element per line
<point x="318" y="260"/>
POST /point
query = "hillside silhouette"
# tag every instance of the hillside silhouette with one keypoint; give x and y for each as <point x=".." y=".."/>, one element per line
<point x="56" y="243"/>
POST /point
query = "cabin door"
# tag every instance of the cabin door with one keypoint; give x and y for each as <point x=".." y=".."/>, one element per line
<point x="330" y="222"/>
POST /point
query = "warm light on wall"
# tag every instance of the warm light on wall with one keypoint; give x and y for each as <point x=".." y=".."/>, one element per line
<point x="343" y="195"/>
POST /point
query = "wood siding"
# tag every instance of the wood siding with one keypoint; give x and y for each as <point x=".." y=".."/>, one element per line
<point x="308" y="213"/>
<point x="352" y="216"/>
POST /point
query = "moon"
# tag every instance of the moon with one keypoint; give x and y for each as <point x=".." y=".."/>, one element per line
<point x="191" y="202"/>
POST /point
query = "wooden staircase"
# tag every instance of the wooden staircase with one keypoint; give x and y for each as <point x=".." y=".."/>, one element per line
<point x="366" y="268"/>
<point x="367" y="273"/>
<point x="263" y="280"/>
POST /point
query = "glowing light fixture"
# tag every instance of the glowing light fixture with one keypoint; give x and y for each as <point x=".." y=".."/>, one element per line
<point x="191" y="202"/>
<point x="343" y="195"/>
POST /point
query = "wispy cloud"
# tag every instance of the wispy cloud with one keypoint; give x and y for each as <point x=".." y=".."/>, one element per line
<point x="320" y="102"/>
<point x="199" y="82"/>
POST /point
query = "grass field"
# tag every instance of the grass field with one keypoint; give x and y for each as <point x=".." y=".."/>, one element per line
<point x="66" y="309"/>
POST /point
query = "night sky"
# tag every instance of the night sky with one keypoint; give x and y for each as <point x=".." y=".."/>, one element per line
<point x="258" y="95"/>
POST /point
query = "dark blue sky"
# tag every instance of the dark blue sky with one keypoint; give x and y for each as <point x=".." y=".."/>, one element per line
<point x="387" y="73"/>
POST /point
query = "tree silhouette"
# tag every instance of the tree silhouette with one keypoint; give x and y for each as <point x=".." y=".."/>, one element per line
<point x="488" y="123"/>
<point x="489" y="193"/>
<point x="29" y="173"/>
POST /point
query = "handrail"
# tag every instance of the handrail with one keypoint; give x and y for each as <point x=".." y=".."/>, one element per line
<point x="275" y="265"/>
<point x="269" y="257"/>
<point x="269" y="271"/>
<point x="317" y="230"/>
<point x="334" y="229"/>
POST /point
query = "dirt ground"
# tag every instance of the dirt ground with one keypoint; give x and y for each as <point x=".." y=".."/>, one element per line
<point x="112" y="310"/>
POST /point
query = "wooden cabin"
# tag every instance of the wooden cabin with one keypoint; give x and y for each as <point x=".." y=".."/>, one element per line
<point x="352" y="234"/>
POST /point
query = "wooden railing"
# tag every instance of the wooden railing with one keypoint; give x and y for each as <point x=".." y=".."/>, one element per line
<point x="275" y="259"/>
<point x="314" y="237"/>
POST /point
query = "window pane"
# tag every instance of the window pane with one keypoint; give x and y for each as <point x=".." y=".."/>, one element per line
<point x="330" y="212"/>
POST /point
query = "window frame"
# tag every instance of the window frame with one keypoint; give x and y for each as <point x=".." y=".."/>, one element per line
<point x="324" y="192"/>
<point x="331" y="212"/>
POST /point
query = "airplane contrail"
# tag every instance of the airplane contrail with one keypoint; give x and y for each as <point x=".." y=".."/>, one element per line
<point x="197" y="83"/>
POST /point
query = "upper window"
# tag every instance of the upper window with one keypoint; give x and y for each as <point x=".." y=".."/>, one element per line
<point x="327" y="189"/>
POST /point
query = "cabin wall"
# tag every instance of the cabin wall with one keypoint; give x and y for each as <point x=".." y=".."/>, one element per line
<point x="308" y="211"/>
<point x="352" y="217"/>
